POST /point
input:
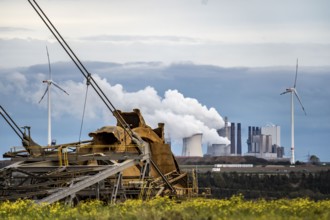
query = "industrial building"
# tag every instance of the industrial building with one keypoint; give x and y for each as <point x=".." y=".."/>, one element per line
<point x="192" y="146"/>
<point x="265" y="142"/>
<point x="234" y="148"/>
<point x="274" y="131"/>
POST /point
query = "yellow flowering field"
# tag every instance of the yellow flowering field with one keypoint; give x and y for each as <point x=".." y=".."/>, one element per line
<point x="164" y="208"/>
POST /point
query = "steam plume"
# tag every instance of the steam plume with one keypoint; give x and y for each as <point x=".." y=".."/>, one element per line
<point x="182" y="116"/>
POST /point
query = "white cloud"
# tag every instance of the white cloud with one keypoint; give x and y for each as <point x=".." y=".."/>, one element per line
<point x="183" y="116"/>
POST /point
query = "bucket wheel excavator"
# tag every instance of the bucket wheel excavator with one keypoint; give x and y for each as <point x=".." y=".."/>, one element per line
<point x="128" y="160"/>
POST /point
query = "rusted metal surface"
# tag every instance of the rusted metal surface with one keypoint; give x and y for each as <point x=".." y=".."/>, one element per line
<point x="90" y="169"/>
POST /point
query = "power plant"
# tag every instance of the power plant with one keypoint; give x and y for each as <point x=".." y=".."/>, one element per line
<point x="265" y="142"/>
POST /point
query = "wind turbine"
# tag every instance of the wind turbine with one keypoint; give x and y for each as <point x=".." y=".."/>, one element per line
<point x="293" y="92"/>
<point x="50" y="82"/>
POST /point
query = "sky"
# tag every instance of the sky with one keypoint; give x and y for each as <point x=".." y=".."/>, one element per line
<point x="188" y="63"/>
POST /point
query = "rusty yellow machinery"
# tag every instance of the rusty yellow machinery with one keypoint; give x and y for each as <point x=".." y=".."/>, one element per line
<point x="110" y="166"/>
<point x="127" y="160"/>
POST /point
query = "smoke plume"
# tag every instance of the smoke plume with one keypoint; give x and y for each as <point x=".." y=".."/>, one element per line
<point x="182" y="116"/>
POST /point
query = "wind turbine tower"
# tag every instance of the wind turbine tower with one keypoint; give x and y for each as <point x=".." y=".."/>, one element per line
<point x="50" y="82"/>
<point x="293" y="92"/>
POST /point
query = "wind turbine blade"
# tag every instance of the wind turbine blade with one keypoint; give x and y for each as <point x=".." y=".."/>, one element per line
<point x="296" y="93"/>
<point x="49" y="69"/>
<point x="295" y="80"/>
<point x="44" y="94"/>
<point x="284" y="92"/>
<point x="59" y="87"/>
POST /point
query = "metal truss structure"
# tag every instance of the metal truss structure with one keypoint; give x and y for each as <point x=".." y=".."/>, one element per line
<point x="110" y="167"/>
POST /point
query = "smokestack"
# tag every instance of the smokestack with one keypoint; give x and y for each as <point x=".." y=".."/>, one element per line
<point x="258" y="131"/>
<point x="249" y="139"/>
<point x="239" y="139"/>
<point x="232" y="139"/>
<point x="268" y="143"/>
<point x="223" y="132"/>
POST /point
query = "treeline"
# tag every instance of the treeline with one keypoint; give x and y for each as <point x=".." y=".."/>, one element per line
<point x="211" y="161"/>
<point x="229" y="160"/>
<point x="314" y="185"/>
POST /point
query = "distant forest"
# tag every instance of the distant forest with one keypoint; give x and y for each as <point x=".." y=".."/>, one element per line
<point x="314" y="185"/>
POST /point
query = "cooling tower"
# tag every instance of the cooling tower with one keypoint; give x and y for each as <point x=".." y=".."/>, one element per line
<point x="220" y="150"/>
<point x="192" y="146"/>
